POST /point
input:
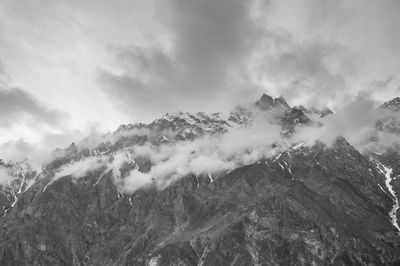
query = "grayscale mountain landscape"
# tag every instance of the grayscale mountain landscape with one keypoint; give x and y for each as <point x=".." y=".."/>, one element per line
<point x="199" y="132"/>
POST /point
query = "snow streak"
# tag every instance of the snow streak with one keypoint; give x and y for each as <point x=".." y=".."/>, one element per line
<point x="393" y="213"/>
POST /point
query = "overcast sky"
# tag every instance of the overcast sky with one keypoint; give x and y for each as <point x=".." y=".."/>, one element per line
<point x="68" y="67"/>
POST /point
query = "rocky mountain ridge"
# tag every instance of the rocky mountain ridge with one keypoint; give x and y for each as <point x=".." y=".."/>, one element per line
<point x="302" y="205"/>
<point x="16" y="178"/>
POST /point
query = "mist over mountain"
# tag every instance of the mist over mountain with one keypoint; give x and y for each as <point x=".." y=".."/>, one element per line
<point x="263" y="184"/>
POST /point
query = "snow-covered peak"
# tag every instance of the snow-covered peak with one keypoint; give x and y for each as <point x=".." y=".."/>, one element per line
<point x="185" y="121"/>
<point x="184" y="116"/>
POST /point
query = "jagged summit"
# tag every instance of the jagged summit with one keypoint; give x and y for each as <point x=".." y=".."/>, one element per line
<point x="342" y="143"/>
<point x="266" y="102"/>
<point x="390" y="122"/>
<point x="294" y="117"/>
<point x="321" y="112"/>
<point x="392" y="105"/>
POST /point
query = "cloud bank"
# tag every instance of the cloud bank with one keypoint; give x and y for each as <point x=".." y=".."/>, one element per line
<point x="170" y="162"/>
<point x="355" y="121"/>
<point x="239" y="146"/>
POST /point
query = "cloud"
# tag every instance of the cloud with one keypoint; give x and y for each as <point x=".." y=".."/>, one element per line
<point x="205" y="55"/>
<point x="40" y="150"/>
<point x="312" y="73"/>
<point x="211" y="42"/>
<point x="355" y="121"/>
<point x="382" y="89"/>
<point x="17" y="104"/>
<point x="92" y="164"/>
<point x="206" y="155"/>
<point x="172" y="161"/>
<point x="80" y="168"/>
<point x="229" y="51"/>
<point x="193" y="55"/>
<point x="4" y="78"/>
<point x="383" y="142"/>
<point x="378" y="85"/>
<point x="5" y="177"/>
<point x="326" y="52"/>
<point x="217" y="154"/>
<point x="28" y="128"/>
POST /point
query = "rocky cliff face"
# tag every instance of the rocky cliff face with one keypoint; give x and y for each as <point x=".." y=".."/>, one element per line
<point x="388" y="132"/>
<point x="16" y="179"/>
<point x="304" y="205"/>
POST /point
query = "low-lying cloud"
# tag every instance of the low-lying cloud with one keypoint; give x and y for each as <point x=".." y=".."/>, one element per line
<point x="80" y="168"/>
<point x="355" y="121"/>
<point x="40" y="151"/>
<point x="210" y="154"/>
<point x="170" y="162"/>
<point x="238" y="146"/>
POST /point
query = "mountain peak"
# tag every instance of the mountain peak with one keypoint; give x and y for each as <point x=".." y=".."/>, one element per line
<point x="266" y="102"/>
<point x="392" y="105"/>
<point x="341" y="143"/>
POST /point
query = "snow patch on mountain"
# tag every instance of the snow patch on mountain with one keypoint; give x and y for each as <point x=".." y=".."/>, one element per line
<point x="387" y="171"/>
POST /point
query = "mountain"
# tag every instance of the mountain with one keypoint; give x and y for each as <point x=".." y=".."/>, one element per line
<point x="186" y="126"/>
<point x="387" y="131"/>
<point x="266" y="102"/>
<point x="299" y="204"/>
<point x="392" y="105"/>
<point x="321" y="112"/>
<point x="16" y="178"/>
<point x="390" y="121"/>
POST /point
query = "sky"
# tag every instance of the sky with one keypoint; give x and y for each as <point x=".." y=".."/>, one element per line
<point x="69" y="68"/>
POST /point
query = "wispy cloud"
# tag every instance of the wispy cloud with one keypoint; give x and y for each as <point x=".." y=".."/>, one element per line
<point x="216" y="154"/>
<point x="355" y="121"/>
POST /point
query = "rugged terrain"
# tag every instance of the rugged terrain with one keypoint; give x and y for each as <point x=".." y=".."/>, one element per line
<point x="302" y="205"/>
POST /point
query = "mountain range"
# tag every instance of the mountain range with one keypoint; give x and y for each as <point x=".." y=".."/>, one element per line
<point x="176" y="192"/>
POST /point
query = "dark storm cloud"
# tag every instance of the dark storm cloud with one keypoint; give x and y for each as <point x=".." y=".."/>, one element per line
<point x="16" y="105"/>
<point x="211" y="40"/>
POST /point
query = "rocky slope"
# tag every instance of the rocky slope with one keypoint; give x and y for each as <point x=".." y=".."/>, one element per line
<point x="388" y="132"/>
<point x="303" y="205"/>
<point x="16" y="179"/>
